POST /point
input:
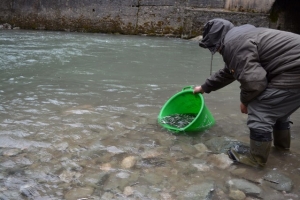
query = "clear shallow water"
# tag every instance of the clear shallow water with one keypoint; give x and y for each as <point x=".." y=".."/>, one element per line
<point x="74" y="105"/>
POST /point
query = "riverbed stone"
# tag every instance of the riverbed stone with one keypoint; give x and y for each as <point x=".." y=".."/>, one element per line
<point x="201" y="148"/>
<point x="247" y="174"/>
<point x="115" y="182"/>
<point x="202" y="167"/>
<point x="221" y="144"/>
<point x="29" y="191"/>
<point x="198" y="191"/>
<point x="221" y="161"/>
<point x="247" y="187"/>
<point x="236" y="195"/>
<point x="77" y="193"/>
<point x="11" y="152"/>
<point x="128" y="162"/>
<point x="152" y="178"/>
<point x="278" y="181"/>
<point x="68" y="176"/>
<point x="128" y="190"/>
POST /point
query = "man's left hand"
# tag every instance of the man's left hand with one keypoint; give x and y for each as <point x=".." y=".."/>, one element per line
<point x="244" y="108"/>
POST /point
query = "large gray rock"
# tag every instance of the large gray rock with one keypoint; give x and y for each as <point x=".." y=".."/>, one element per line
<point x="243" y="185"/>
<point x="278" y="181"/>
<point x="221" y="144"/>
<point x="199" y="191"/>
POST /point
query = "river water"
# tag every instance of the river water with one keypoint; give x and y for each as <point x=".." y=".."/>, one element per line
<point x="76" y="106"/>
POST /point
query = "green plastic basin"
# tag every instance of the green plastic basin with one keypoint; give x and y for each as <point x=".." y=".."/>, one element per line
<point x="186" y="102"/>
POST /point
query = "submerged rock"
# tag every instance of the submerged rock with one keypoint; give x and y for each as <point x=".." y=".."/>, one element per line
<point x="29" y="191"/>
<point x="221" y="144"/>
<point x="245" y="186"/>
<point x="221" y="161"/>
<point x="237" y="195"/>
<point x="201" y="147"/>
<point x="11" y="152"/>
<point x="128" y="191"/>
<point x="128" y="162"/>
<point x="278" y="181"/>
<point x="68" y="176"/>
<point x="199" y="191"/>
<point x="79" y="193"/>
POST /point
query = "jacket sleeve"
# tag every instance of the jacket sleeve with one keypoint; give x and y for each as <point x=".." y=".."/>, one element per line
<point x="243" y="62"/>
<point x="218" y="80"/>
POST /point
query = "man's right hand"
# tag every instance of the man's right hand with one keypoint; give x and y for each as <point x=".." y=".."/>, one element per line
<point x="198" y="89"/>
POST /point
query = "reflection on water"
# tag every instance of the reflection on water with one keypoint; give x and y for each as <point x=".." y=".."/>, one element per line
<point x="79" y="120"/>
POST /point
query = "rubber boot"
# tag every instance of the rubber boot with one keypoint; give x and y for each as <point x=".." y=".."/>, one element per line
<point x="256" y="155"/>
<point x="282" y="135"/>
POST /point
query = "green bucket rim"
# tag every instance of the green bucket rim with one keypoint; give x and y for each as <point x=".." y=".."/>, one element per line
<point x="187" y="89"/>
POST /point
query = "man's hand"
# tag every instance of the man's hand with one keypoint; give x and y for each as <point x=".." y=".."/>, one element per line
<point x="198" y="89"/>
<point x="244" y="108"/>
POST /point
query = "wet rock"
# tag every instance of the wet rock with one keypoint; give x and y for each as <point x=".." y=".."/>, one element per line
<point x="23" y="161"/>
<point x="128" y="191"/>
<point x="128" y="162"/>
<point x="45" y="156"/>
<point x="221" y="144"/>
<point x="247" y="187"/>
<point x="102" y="178"/>
<point x="93" y="179"/>
<point x="219" y="195"/>
<point x="186" y="168"/>
<point x="221" y="161"/>
<point x="77" y="193"/>
<point x="202" y="167"/>
<point x="11" y="152"/>
<point x="29" y="191"/>
<point x="115" y="150"/>
<point x="152" y="178"/>
<point x="122" y="175"/>
<point x="61" y="146"/>
<point x="68" y="176"/>
<point x="188" y="149"/>
<point x="201" y="148"/>
<point x="115" y="182"/>
<point x="141" y="190"/>
<point x="107" y="196"/>
<point x="152" y="162"/>
<point x="196" y="192"/>
<point x="247" y="174"/>
<point x="165" y="196"/>
<point x="151" y="154"/>
<point x="9" y="195"/>
<point x="6" y="26"/>
<point x="278" y="181"/>
<point x="236" y="195"/>
<point x="106" y="167"/>
<point x="70" y="165"/>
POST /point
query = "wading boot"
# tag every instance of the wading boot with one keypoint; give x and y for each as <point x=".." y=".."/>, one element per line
<point x="282" y="135"/>
<point x="257" y="154"/>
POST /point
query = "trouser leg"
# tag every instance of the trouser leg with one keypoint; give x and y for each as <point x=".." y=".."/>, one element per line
<point x="263" y="112"/>
<point x="271" y="106"/>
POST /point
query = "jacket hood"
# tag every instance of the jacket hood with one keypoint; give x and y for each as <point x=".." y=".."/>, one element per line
<point x="214" y="33"/>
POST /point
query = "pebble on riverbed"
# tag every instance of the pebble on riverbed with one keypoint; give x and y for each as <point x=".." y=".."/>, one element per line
<point x="221" y="161"/>
<point x="237" y="195"/>
<point x="128" y="162"/>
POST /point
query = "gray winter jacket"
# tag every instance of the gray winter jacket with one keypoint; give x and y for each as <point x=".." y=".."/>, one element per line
<point x="257" y="58"/>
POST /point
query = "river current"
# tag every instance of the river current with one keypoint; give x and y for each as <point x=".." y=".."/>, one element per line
<point x="78" y="120"/>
